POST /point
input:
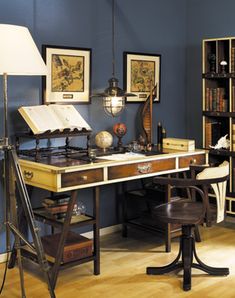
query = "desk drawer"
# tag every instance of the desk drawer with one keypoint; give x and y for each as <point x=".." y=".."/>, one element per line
<point x="141" y="168"/>
<point x="199" y="159"/>
<point x="81" y="177"/>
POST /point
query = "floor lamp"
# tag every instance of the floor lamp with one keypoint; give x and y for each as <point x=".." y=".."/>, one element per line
<point x="19" y="56"/>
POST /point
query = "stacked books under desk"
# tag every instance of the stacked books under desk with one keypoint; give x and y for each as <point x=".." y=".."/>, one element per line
<point x="56" y="206"/>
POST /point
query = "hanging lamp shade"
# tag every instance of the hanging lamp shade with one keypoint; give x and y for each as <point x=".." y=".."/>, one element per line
<point x="113" y="96"/>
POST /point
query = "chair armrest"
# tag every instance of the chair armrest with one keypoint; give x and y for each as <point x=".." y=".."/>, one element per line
<point x="186" y="182"/>
<point x="196" y="167"/>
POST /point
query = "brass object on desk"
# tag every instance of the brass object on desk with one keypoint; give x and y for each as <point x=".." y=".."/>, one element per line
<point x="146" y="116"/>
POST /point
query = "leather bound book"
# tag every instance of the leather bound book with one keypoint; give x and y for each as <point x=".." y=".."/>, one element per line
<point x="76" y="246"/>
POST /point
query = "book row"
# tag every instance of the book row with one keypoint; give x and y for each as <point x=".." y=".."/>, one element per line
<point x="216" y="100"/>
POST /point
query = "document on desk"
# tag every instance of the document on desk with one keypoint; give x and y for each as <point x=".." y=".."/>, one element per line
<point x="121" y="156"/>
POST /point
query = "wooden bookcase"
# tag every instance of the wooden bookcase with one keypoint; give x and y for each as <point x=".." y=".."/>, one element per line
<point x="218" y="92"/>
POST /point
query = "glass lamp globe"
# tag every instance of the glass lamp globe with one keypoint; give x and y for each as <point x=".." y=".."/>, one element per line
<point x="114" y="105"/>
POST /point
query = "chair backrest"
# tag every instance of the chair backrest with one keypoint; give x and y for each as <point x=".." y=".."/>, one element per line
<point x="219" y="188"/>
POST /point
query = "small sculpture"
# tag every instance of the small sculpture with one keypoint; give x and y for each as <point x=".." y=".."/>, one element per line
<point x="223" y="65"/>
<point x="212" y="62"/>
<point x="223" y="142"/>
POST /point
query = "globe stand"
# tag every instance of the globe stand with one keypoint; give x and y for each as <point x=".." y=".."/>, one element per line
<point x="119" y="144"/>
<point x="119" y="130"/>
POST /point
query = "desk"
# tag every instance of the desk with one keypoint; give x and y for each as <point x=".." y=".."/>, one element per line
<point x="66" y="174"/>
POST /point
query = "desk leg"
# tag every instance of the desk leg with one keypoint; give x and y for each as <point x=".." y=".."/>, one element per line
<point x="124" y="210"/>
<point x="168" y="226"/>
<point x="96" y="229"/>
<point x="64" y="233"/>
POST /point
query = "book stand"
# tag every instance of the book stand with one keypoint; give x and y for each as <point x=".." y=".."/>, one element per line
<point x="66" y="150"/>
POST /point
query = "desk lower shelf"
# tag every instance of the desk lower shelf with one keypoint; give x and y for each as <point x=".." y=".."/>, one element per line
<point x="28" y="253"/>
<point x="41" y="214"/>
<point x="144" y="222"/>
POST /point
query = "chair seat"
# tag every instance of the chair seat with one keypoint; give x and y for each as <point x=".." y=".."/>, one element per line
<point x="180" y="212"/>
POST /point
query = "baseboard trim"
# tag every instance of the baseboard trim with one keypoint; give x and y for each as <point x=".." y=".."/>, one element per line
<point x="3" y="257"/>
<point x="103" y="231"/>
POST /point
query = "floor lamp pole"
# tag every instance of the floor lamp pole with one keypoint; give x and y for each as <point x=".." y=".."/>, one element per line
<point x="13" y="178"/>
<point x="5" y="100"/>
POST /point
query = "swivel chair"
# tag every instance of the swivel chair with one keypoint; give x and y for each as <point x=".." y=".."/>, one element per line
<point x="189" y="213"/>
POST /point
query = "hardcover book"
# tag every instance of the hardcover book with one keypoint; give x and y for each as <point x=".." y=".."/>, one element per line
<point x="76" y="246"/>
<point x="43" y="118"/>
<point x="56" y="200"/>
<point x="56" y="208"/>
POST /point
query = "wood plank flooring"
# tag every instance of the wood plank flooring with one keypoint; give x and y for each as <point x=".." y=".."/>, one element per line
<point x="123" y="265"/>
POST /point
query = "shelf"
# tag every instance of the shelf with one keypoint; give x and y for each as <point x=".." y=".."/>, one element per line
<point x="218" y="114"/>
<point x="56" y="134"/>
<point x="221" y="152"/>
<point x="218" y="82"/>
<point x="217" y="75"/>
<point x="41" y="214"/>
<point x="28" y="253"/>
<point x="145" y="223"/>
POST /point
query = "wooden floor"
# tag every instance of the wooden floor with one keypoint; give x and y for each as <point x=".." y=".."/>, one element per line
<point x="123" y="264"/>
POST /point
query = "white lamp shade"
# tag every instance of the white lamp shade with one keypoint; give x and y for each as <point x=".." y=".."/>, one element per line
<point x="19" y="54"/>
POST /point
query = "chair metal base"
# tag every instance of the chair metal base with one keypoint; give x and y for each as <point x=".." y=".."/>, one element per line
<point x="187" y="251"/>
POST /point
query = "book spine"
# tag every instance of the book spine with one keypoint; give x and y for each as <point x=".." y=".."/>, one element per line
<point x="77" y="254"/>
<point x="57" y="209"/>
<point x="233" y="137"/>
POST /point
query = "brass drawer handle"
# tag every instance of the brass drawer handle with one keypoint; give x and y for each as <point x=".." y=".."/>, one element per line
<point x="193" y="161"/>
<point x="84" y="178"/>
<point x="144" y="169"/>
<point x="28" y="175"/>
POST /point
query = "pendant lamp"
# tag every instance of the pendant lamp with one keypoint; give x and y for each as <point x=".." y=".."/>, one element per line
<point x="113" y="96"/>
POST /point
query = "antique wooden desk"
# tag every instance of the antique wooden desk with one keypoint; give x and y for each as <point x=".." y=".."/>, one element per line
<point x="71" y="174"/>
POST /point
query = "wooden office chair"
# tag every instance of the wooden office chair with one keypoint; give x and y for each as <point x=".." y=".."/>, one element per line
<point x="189" y="213"/>
<point x="143" y="200"/>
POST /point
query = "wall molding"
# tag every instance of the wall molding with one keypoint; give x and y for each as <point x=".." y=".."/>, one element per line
<point x="103" y="231"/>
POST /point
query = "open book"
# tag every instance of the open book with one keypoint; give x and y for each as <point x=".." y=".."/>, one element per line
<point x="53" y="117"/>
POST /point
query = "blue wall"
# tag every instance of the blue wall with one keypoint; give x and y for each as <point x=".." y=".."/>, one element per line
<point x="151" y="26"/>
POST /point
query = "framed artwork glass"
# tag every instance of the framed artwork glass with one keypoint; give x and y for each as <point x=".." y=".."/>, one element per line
<point x="140" y="71"/>
<point x="68" y="78"/>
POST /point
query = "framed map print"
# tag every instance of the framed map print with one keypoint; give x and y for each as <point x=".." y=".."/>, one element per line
<point x="68" y="78"/>
<point x="140" y="72"/>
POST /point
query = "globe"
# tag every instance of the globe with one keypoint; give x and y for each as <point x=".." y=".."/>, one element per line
<point x="103" y="139"/>
<point x="119" y="129"/>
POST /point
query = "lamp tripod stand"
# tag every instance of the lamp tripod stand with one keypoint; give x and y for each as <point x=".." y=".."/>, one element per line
<point x="13" y="178"/>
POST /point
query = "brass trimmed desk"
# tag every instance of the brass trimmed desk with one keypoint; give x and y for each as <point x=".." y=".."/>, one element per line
<point x="71" y="174"/>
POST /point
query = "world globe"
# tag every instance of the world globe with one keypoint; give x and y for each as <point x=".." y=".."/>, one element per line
<point x="103" y="139"/>
<point x="119" y="129"/>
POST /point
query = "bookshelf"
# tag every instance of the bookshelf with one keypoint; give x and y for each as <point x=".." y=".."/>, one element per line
<point x="218" y="92"/>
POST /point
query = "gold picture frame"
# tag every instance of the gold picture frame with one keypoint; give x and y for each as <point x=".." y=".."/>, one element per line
<point x="139" y="72"/>
<point x="68" y="78"/>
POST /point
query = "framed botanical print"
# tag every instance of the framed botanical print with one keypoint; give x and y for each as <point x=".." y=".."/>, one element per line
<point x="68" y="78"/>
<point x="141" y="71"/>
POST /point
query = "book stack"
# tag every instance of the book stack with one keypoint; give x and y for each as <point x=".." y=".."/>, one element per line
<point x="57" y="206"/>
<point x="232" y="59"/>
<point x="233" y="137"/>
<point x="213" y="133"/>
<point x="233" y="98"/>
<point x="216" y="100"/>
<point x="76" y="246"/>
